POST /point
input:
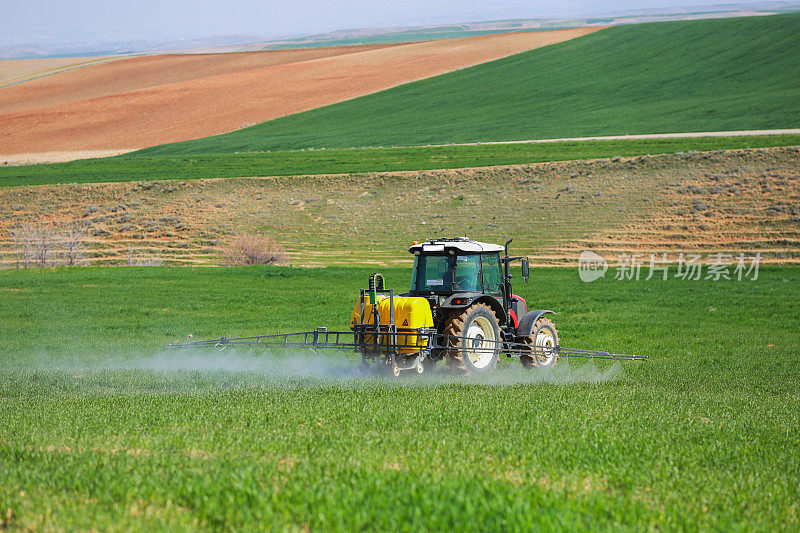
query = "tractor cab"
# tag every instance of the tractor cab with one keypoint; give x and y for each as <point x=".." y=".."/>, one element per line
<point x="453" y="273"/>
<point x="447" y="266"/>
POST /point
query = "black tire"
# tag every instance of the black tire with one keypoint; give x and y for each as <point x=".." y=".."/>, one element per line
<point x="544" y="334"/>
<point x="478" y="317"/>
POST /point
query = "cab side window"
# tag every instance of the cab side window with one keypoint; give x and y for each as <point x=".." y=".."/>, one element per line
<point x="492" y="275"/>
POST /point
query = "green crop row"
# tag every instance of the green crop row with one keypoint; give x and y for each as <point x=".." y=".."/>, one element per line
<point x="130" y="168"/>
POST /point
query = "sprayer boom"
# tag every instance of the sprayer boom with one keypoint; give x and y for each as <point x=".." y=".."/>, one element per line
<point x="399" y="349"/>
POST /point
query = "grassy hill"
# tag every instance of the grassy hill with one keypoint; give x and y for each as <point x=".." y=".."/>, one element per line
<point x="736" y="202"/>
<point x="729" y="74"/>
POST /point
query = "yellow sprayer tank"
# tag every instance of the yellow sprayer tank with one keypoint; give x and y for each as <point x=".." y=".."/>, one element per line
<point x="410" y="313"/>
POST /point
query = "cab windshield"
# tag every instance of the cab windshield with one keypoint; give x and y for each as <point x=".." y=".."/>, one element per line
<point x="446" y="273"/>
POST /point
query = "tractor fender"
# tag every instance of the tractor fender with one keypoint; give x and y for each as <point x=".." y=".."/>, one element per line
<point x="528" y="320"/>
<point x="496" y="306"/>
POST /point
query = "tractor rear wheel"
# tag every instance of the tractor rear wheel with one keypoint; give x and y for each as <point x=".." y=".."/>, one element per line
<point x="544" y="334"/>
<point x="474" y="339"/>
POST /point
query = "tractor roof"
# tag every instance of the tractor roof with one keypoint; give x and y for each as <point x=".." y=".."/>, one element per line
<point x="462" y="244"/>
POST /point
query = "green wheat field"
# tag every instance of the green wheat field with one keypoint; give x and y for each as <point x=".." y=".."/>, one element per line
<point x="103" y="428"/>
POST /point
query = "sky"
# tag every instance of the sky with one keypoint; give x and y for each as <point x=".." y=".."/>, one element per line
<point x="87" y="20"/>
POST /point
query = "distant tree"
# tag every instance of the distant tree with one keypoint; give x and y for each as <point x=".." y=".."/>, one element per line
<point x="72" y="236"/>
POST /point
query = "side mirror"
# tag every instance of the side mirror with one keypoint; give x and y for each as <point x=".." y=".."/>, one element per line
<point x="525" y="270"/>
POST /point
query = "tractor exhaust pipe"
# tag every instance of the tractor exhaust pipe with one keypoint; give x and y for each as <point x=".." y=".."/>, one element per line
<point x="507" y="278"/>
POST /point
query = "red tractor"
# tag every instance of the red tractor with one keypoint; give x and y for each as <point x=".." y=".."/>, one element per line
<point x="461" y="299"/>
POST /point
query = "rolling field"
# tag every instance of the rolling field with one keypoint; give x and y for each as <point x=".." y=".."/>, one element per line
<point x="101" y="428"/>
<point x="140" y="102"/>
<point x="342" y="156"/>
<point x="707" y="75"/>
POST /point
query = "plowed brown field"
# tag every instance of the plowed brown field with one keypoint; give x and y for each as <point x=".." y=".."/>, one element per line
<point x="145" y="72"/>
<point x="145" y="101"/>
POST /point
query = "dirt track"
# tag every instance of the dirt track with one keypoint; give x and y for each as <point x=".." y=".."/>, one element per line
<point x="20" y="70"/>
<point x="686" y="135"/>
<point x="39" y="158"/>
<point x="60" y="157"/>
<point x="140" y="102"/>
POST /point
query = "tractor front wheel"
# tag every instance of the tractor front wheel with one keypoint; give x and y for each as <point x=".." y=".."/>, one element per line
<point x="473" y="339"/>
<point x="546" y="336"/>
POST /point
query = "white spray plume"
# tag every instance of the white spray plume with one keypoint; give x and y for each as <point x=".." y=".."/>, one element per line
<point x="309" y="369"/>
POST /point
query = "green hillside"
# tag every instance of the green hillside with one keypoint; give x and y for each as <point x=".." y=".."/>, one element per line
<point x="344" y="161"/>
<point x="729" y="74"/>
